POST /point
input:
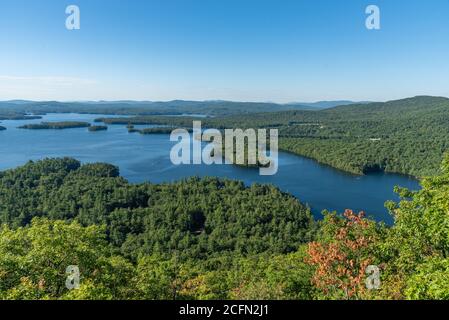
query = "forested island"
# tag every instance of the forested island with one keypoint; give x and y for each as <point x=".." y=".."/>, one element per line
<point x="2" y="128"/>
<point x="208" y="239"/>
<point x="156" y="130"/>
<point x="56" y="125"/>
<point x="97" y="128"/>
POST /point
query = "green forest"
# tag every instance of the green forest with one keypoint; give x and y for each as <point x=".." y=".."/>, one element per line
<point x="209" y="239"/>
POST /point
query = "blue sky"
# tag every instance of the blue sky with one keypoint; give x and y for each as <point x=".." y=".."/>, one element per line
<point x="247" y="50"/>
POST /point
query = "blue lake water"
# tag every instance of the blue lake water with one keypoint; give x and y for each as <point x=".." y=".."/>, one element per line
<point x="147" y="158"/>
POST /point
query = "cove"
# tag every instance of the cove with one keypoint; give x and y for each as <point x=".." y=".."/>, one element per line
<point x="147" y="158"/>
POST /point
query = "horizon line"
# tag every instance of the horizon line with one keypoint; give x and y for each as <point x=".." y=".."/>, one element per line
<point x="220" y="100"/>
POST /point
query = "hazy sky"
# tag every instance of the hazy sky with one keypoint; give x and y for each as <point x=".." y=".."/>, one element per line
<point x="252" y="50"/>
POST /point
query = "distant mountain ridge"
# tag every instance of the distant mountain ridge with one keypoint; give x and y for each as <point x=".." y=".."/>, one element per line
<point x="317" y="104"/>
<point x="329" y="104"/>
<point x="339" y="108"/>
<point x="124" y="107"/>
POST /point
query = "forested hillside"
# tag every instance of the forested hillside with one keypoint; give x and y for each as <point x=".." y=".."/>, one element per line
<point x="406" y="136"/>
<point x="208" y="239"/>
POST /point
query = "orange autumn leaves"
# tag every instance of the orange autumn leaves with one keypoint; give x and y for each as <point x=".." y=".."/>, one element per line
<point x="342" y="254"/>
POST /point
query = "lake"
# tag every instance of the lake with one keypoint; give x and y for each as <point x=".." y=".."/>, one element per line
<point x="147" y="158"/>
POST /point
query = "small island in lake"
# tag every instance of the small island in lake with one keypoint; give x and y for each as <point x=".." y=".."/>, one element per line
<point x="157" y="130"/>
<point x="97" y="128"/>
<point x="163" y="130"/>
<point x="2" y="128"/>
<point x="56" y="125"/>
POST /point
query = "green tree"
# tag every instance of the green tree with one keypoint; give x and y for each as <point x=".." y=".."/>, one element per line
<point x="34" y="259"/>
<point x="418" y="244"/>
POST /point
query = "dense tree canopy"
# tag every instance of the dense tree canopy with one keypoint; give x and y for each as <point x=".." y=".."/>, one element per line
<point x="168" y="239"/>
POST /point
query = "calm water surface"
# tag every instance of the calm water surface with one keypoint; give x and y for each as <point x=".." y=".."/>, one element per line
<point x="147" y="158"/>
